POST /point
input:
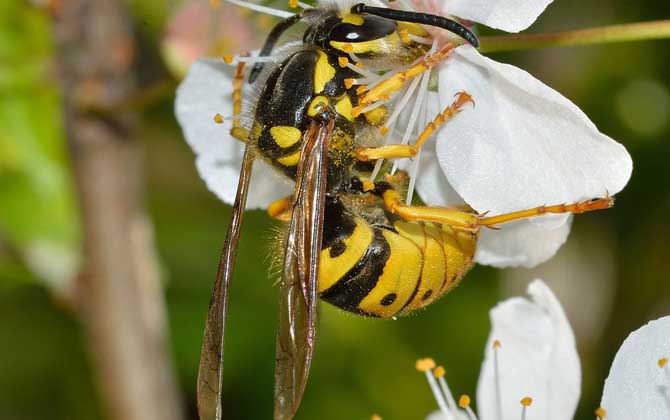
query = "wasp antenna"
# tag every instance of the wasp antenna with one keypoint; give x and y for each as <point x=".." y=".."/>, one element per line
<point x="270" y="42"/>
<point x="422" y="18"/>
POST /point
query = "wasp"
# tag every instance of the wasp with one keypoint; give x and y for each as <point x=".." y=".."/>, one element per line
<point x="351" y="238"/>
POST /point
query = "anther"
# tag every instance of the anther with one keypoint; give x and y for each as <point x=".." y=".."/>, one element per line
<point x="347" y="47"/>
<point x="342" y="61"/>
<point x="356" y="111"/>
<point x="361" y="89"/>
<point x="228" y="59"/>
<point x="439" y="372"/>
<point x="526" y="401"/>
<point x="348" y="83"/>
<point x="662" y="362"/>
<point x="426" y="364"/>
<point x="383" y="130"/>
<point x="376" y="417"/>
<point x="496" y="344"/>
<point x="218" y="118"/>
<point x="601" y="413"/>
<point x="464" y="401"/>
<point x="293" y="4"/>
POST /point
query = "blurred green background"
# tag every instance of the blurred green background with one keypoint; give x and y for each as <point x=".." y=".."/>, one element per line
<point x="612" y="275"/>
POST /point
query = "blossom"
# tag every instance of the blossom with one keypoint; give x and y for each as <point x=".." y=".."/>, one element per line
<point x="638" y="385"/>
<point x="530" y="370"/>
<point x="521" y="145"/>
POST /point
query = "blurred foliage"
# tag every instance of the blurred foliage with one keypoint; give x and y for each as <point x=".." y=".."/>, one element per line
<point x="361" y="366"/>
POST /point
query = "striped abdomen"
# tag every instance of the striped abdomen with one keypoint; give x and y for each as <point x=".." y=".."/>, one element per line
<point x="389" y="271"/>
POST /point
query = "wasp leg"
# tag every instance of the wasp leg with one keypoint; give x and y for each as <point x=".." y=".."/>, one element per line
<point x="281" y="209"/>
<point x="394" y="83"/>
<point x="580" y="207"/>
<point x="395" y="151"/>
<point x="238" y="132"/>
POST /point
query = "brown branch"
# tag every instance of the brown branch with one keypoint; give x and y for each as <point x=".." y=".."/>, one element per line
<point x="120" y="293"/>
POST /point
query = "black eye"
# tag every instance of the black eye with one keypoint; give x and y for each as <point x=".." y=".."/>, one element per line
<point x="373" y="27"/>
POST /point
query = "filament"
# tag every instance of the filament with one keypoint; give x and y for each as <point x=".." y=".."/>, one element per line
<point x="261" y="8"/>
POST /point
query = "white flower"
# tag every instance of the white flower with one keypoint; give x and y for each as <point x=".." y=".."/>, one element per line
<point x="531" y="368"/>
<point x="638" y="386"/>
<point x="523" y="145"/>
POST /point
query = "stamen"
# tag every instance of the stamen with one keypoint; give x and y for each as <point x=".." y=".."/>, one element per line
<point x="342" y="61"/>
<point x="354" y="57"/>
<point x="370" y="75"/>
<point x="348" y="83"/>
<point x="305" y="5"/>
<point x="439" y="374"/>
<point x="218" y="118"/>
<point x="376" y="417"/>
<point x="397" y="109"/>
<point x="496" y="378"/>
<point x="261" y="8"/>
<point x="525" y="403"/>
<point x="601" y="413"/>
<point x="292" y="4"/>
<point x="347" y="48"/>
<point x="420" y="39"/>
<point x="426" y="366"/>
<point x="361" y="89"/>
<point x="228" y="59"/>
<point x="662" y="362"/>
<point x="464" y="403"/>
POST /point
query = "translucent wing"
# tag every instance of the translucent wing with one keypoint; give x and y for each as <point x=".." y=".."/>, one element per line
<point x="298" y="295"/>
<point x="211" y="361"/>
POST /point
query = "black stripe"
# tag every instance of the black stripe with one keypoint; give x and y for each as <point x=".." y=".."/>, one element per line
<point x="354" y="286"/>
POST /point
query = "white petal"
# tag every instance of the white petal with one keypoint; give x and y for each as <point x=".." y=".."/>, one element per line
<point x="537" y="358"/>
<point x="206" y="91"/>
<point x="637" y="388"/>
<point x="508" y="15"/>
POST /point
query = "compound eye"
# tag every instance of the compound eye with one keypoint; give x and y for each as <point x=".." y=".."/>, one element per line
<point x="373" y="27"/>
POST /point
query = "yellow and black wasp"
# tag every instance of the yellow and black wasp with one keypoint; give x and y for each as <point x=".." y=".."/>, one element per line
<point x="351" y="240"/>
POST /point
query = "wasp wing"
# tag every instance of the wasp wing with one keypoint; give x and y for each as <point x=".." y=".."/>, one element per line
<point x="211" y="361"/>
<point x="298" y="291"/>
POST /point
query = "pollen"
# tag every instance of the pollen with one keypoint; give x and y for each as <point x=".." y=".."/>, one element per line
<point x="356" y="111"/>
<point x="424" y="365"/>
<point x="342" y="61"/>
<point x="218" y="118"/>
<point x="349" y="82"/>
<point x="526" y="401"/>
<point x="292" y="4"/>
<point x="347" y="47"/>
<point x="383" y="130"/>
<point x="464" y="401"/>
<point x="601" y="413"/>
<point x="496" y="344"/>
<point x="369" y="186"/>
<point x="228" y="59"/>
<point x="662" y="362"/>
<point x="439" y="372"/>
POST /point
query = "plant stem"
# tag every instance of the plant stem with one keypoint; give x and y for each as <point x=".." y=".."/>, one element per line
<point x="641" y="31"/>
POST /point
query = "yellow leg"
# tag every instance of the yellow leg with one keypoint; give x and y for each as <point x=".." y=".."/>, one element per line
<point x="396" y="151"/>
<point x="581" y="207"/>
<point x="238" y="132"/>
<point x="281" y="209"/>
<point x="394" y="83"/>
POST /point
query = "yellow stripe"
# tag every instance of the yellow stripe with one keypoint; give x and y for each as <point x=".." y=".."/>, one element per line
<point x="290" y="160"/>
<point x="400" y="275"/>
<point x="333" y="269"/>
<point x="285" y="135"/>
<point x="318" y="104"/>
<point x="459" y="249"/>
<point x="354" y="19"/>
<point x="323" y="72"/>
<point x="434" y="265"/>
<point x="343" y="107"/>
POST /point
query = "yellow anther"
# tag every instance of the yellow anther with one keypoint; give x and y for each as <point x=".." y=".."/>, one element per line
<point x="601" y="413"/>
<point x="348" y="83"/>
<point x="292" y="4"/>
<point x="496" y="344"/>
<point x="369" y="186"/>
<point x="342" y="61"/>
<point x="376" y="417"/>
<point x="361" y="89"/>
<point x="359" y="65"/>
<point x="424" y="365"/>
<point x="464" y="401"/>
<point x="347" y="47"/>
<point x="526" y="401"/>
<point x="439" y="372"/>
<point x="218" y="118"/>
<point x="383" y="130"/>
<point x="228" y="59"/>
<point x="214" y="4"/>
<point x="356" y="111"/>
<point x="662" y="362"/>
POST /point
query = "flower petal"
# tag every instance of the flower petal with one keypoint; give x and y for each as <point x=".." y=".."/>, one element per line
<point x="536" y="358"/>
<point x="508" y="15"/>
<point x="523" y="145"/>
<point x="637" y="387"/>
<point x="206" y="91"/>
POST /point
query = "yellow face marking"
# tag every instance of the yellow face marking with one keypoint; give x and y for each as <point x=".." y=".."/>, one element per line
<point x="355" y="246"/>
<point x="397" y="282"/>
<point x="354" y="19"/>
<point x="290" y="160"/>
<point x="377" y="116"/>
<point x="434" y="263"/>
<point x="387" y="44"/>
<point x="317" y="105"/>
<point x="323" y="72"/>
<point x="343" y="107"/>
<point x="285" y="135"/>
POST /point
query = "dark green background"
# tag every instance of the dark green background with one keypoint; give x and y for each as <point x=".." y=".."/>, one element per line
<point x="361" y="366"/>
